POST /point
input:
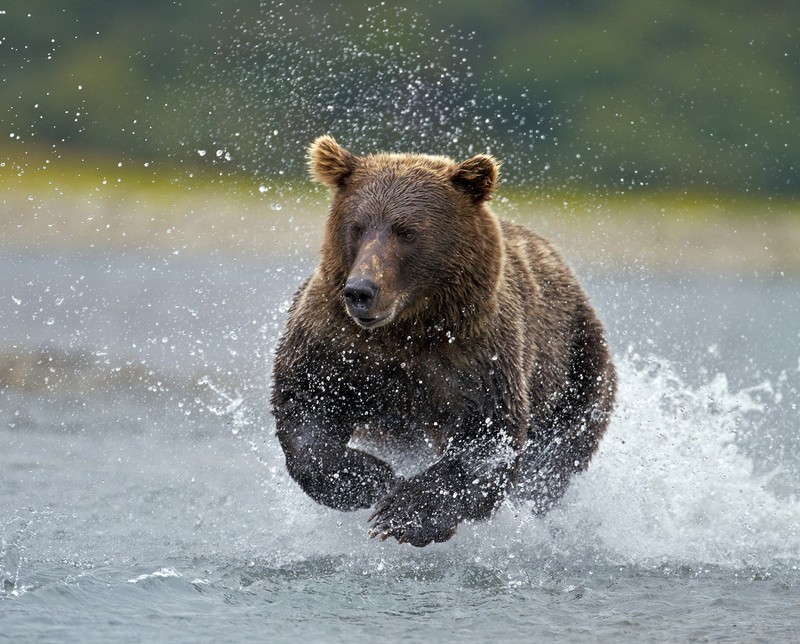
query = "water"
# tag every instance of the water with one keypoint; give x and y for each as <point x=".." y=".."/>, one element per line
<point x="143" y="495"/>
<point x="385" y="79"/>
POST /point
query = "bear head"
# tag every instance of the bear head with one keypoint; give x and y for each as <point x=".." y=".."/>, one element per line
<point x="409" y="237"/>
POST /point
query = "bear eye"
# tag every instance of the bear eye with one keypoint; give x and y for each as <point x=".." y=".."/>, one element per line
<point x="407" y="235"/>
<point x="356" y="230"/>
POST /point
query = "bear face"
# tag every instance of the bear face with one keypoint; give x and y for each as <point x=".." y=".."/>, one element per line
<point x="408" y="234"/>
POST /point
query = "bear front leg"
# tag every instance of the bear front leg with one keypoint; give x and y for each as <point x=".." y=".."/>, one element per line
<point x="429" y="506"/>
<point x="332" y="473"/>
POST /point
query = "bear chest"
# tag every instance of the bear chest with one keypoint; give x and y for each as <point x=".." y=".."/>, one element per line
<point x="396" y="401"/>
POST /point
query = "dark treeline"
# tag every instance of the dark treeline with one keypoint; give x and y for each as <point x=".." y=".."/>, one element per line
<point x="611" y="94"/>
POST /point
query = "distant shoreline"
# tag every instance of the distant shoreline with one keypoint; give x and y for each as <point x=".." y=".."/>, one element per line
<point x="680" y="235"/>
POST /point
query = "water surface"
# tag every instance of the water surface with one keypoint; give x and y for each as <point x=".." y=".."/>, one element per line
<point x="143" y="494"/>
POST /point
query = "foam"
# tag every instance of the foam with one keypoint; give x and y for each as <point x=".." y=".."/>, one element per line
<point x="672" y="483"/>
<point x="672" y="480"/>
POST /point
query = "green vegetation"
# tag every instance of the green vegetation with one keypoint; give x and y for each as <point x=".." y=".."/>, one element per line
<point x="614" y="96"/>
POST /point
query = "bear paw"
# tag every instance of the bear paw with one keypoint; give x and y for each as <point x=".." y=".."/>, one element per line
<point x="413" y="513"/>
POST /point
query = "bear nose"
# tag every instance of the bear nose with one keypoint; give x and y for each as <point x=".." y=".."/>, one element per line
<point x="360" y="293"/>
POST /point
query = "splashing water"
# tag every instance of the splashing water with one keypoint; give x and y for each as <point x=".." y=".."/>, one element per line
<point x="233" y="404"/>
<point x="671" y="481"/>
<point x="672" y="484"/>
<point x="383" y="80"/>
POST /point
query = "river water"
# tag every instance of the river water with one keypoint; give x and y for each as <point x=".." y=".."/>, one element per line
<point x="143" y="495"/>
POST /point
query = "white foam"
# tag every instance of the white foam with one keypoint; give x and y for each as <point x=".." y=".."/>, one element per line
<point x="158" y="574"/>
<point x="670" y="484"/>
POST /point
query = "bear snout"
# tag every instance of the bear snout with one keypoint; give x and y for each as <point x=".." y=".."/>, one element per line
<point x="360" y="294"/>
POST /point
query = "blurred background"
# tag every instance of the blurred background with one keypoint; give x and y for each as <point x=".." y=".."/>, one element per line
<point x="665" y="118"/>
<point x="603" y="94"/>
<point x="676" y="114"/>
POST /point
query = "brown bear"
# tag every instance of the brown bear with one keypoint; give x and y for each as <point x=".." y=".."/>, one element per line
<point x="434" y="336"/>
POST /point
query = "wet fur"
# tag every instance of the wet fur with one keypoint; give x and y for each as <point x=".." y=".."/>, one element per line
<point x="492" y="355"/>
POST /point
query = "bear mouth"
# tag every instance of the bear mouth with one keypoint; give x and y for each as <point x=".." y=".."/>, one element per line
<point x="371" y="323"/>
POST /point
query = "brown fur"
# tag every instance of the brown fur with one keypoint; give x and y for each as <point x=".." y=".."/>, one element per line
<point x="430" y="322"/>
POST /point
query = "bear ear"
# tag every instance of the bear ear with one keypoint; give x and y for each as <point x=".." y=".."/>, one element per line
<point x="478" y="176"/>
<point x="328" y="162"/>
